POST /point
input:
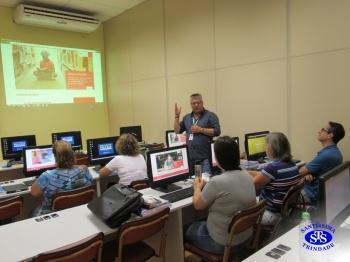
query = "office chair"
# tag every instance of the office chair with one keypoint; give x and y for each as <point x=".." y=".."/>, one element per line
<point x="88" y="249"/>
<point x="67" y="199"/>
<point x="10" y="208"/>
<point x="241" y="221"/>
<point x="289" y="204"/>
<point x="139" y="184"/>
<point x="130" y="246"/>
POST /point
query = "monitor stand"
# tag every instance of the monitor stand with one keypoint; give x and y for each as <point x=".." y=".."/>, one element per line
<point x="169" y="188"/>
<point x="14" y="161"/>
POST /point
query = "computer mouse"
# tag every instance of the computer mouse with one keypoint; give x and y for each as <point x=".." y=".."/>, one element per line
<point x="8" y="164"/>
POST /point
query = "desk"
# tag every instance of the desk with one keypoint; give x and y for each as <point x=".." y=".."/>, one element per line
<point x="27" y="238"/>
<point x="10" y="173"/>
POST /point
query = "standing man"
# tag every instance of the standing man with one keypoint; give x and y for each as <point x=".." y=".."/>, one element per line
<point x="326" y="159"/>
<point x="201" y="126"/>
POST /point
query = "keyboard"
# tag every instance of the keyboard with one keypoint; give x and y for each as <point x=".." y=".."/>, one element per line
<point x="178" y="195"/>
<point x="97" y="168"/>
<point x="15" y="188"/>
<point x="29" y="182"/>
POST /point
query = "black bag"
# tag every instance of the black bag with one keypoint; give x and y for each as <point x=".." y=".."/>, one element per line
<point x="116" y="204"/>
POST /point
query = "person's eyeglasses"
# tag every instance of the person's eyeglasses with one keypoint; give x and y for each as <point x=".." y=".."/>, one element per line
<point x="325" y="130"/>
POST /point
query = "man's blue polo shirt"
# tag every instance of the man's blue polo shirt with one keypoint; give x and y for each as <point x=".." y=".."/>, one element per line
<point x="326" y="159"/>
<point x="199" y="147"/>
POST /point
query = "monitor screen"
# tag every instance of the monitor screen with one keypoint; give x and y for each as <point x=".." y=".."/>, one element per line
<point x="12" y="146"/>
<point x="255" y="145"/>
<point x="101" y="150"/>
<point x="38" y="159"/>
<point x="136" y="131"/>
<point x="169" y="165"/>
<point x="72" y="137"/>
<point x="173" y="139"/>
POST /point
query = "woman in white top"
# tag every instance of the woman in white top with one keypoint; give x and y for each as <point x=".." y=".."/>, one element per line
<point x="129" y="164"/>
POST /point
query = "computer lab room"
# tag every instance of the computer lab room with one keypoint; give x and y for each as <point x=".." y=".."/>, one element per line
<point x="174" y="130"/>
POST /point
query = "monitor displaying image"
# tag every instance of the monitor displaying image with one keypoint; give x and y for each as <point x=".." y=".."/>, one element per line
<point x="12" y="147"/>
<point x="173" y="139"/>
<point x="19" y="145"/>
<point x="101" y="150"/>
<point x="71" y="137"/>
<point x="68" y="139"/>
<point x="105" y="149"/>
<point x="169" y="163"/>
<point x="255" y="145"/>
<point x="39" y="159"/>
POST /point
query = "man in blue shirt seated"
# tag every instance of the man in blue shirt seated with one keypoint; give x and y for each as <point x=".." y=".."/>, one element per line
<point x="326" y="159"/>
<point x="201" y="126"/>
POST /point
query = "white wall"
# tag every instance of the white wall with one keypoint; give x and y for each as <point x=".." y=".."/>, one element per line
<point x="278" y="65"/>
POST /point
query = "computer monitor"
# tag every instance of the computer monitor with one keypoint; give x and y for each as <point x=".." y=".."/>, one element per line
<point x="38" y="159"/>
<point x="72" y="137"/>
<point x="136" y="131"/>
<point x="166" y="166"/>
<point x="334" y="192"/>
<point x="101" y="150"/>
<point x="255" y="145"/>
<point x="12" y="147"/>
<point x="172" y="139"/>
<point x="214" y="165"/>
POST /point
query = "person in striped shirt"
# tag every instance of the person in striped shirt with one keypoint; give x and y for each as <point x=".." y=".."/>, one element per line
<point x="277" y="177"/>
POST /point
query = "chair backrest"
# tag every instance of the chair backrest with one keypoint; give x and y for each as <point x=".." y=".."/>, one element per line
<point x="11" y="207"/>
<point x="143" y="228"/>
<point x="243" y="220"/>
<point x="66" y="199"/>
<point x="139" y="184"/>
<point x="88" y="249"/>
<point x="290" y="200"/>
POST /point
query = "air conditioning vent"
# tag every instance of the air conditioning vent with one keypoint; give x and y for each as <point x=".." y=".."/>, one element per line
<point x="56" y="19"/>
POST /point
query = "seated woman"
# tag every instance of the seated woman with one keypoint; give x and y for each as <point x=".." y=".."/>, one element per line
<point x="129" y="164"/>
<point x="66" y="176"/>
<point x="277" y="177"/>
<point x="223" y="195"/>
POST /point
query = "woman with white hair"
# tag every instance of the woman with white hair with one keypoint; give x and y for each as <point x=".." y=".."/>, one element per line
<point x="277" y="177"/>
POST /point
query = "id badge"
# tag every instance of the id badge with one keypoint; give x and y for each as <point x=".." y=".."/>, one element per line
<point x="190" y="138"/>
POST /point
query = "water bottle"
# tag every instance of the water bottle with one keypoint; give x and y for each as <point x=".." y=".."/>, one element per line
<point x="305" y="255"/>
<point x="198" y="170"/>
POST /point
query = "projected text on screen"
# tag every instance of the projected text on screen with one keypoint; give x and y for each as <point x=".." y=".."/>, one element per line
<point x="40" y="74"/>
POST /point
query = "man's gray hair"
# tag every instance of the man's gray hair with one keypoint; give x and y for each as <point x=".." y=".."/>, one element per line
<point x="196" y="95"/>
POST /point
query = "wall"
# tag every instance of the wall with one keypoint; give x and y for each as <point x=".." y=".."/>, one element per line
<point x="91" y="120"/>
<point x="278" y="65"/>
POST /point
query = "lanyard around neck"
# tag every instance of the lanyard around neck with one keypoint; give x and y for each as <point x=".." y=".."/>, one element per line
<point x="194" y="121"/>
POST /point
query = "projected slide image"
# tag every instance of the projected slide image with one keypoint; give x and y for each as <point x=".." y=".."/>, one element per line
<point x="49" y="74"/>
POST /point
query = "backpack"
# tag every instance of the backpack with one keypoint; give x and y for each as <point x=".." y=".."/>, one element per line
<point x="116" y="204"/>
